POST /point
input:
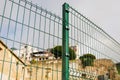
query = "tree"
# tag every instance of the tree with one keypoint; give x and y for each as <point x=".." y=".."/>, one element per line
<point x="57" y="51"/>
<point x="118" y="67"/>
<point x="87" y="60"/>
<point x="13" y="48"/>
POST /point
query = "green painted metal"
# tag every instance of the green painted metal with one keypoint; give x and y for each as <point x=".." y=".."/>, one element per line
<point x="26" y="28"/>
<point x="24" y="24"/>
<point x="65" y="43"/>
<point x="84" y="37"/>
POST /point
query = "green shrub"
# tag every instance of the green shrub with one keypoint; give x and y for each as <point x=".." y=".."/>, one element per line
<point x="118" y="67"/>
<point x="33" y="61"/>
<point x="87" y="60"/>
<point x="57" y="51"/>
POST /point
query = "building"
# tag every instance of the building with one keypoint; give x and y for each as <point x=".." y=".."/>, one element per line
<point x="76" y="48"/>
<point x="14" y="68"/>
<point x="28" y="53"/>
<point x="42" y="55"/>
<point x="25" y="52"/>
<point x="9" y="64"/>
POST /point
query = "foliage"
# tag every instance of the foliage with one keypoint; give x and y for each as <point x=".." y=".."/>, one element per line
<point x="33" y="61"/>
<point x="87" y="59"/>
<point x="57" y="51"/>
<point x="13" y="48"/>
<point x="118" y="67"/>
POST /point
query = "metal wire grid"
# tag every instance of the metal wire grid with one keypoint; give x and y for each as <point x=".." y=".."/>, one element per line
<point x="23" y="23"/>
<point x="89" y="38"/>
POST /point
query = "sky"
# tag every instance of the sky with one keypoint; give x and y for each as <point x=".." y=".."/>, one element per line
<point x="104" y="13"/>
<point x="35" y="28"/>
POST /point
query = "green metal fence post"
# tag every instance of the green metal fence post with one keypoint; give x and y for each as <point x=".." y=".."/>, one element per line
<point x="65" y="43"/>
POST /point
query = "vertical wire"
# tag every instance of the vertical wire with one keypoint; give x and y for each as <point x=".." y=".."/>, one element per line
<point x="83" y="28"/>
<point x="70" y="42"/>
<point x="3" y="16"/>
<point x="98" y="43"/>
<point x="23" y="18"/>
<point x="7" y="38"/>
<point x="74" y="39"/>
<point x="57" y="44"/>
<point x="71" y="66"/>
<point x="49" y="36"/>
<point x="28" y="34"/>
<point x="49" y="31"/>
<point x="95" y="42"/>
<point x="53" y="44"/>
<point x="82" y="24"/>
<point x="39" y="35"/>
<point x="84" y="39"/>
<point x="0" y="36"/>
<point x="88" y="37"/>
<point x="78" y="29"/>
<point x="39" y="29"/>
<point x="86" y="46"/>
<point x="14" y="39"/>
<point x="89" y="30"/>
<point x="21" y="34"/>
<point x="39" y="41"/>
<point x="80" y="49"/>
<point x="44" y="30"/>
<point x="91" y="42"/>
<point x="5" y="50"/>
<point x="34" y="36"/>
<point x="78" y="44"/>
<point x="32" y="45"/>
<point x="44" y="44"/>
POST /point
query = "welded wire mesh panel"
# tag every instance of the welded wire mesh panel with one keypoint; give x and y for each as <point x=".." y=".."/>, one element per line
<point x="28" y="34"/>
<point x="96" y="52"/>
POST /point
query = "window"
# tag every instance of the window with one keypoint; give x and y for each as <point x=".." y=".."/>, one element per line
<point x="0" y="48"/>
<point x="22" y="55"/>
<point x="25" y="46"/>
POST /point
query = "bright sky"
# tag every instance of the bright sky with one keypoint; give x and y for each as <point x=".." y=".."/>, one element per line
<point x="104" y="13"/>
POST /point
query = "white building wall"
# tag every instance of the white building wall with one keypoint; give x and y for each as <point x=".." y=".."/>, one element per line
<point x="25" y="52"/>
<point x="77" y="51"/>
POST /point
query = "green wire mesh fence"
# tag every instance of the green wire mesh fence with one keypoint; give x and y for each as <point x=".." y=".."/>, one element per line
<point x="96" y="52"/>
<point x="28" y="33"/>
<point x="36" y="44"/>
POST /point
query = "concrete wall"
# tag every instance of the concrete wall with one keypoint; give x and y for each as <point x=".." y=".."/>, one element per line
<point x="10" y="66"/>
